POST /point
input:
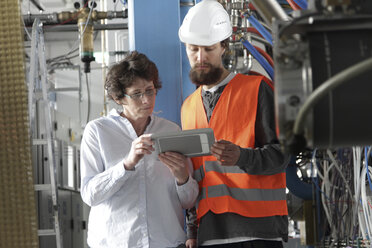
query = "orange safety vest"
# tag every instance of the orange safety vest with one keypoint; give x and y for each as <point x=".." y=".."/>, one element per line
<point x="228" y="188"/>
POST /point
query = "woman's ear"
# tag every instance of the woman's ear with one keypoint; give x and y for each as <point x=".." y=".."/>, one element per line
<point x="119" y="102"/>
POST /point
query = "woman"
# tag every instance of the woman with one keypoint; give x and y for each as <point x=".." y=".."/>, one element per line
<point x="136" y="197"/>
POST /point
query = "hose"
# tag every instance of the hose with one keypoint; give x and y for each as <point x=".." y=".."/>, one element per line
<point x="260" y="29"/>
<point x="259" y="58"/>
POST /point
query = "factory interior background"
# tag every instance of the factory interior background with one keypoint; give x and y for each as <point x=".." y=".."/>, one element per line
<point x="54" y="58"/>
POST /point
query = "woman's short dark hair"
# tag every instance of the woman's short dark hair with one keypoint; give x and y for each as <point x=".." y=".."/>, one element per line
<point x="123" y="74"/>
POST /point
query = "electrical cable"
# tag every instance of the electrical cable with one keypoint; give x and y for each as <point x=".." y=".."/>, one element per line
<point x="366" y="162"/>
<point x="331" y="83"/>
<point x="366" y="214"/>
<point x="259" y="58"/>
<point x="340" y="172"/>
<point x="356" y="161"/>
<point x="338" y="212"/>
<point x="59" y="58"/>
<point x="88" y="96"/>
<point x="325" y="189"/>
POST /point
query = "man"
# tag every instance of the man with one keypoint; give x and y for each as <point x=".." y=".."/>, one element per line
<point x="242" y="200"/>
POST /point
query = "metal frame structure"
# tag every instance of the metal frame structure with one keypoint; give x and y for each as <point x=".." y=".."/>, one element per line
<point x="38" y="78"/>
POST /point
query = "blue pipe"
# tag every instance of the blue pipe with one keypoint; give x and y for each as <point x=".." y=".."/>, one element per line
<point x="259" y="58"/>
<point x="295" y="185"/>
<point x="301" y="3"/>
<point x="261" y="29"/>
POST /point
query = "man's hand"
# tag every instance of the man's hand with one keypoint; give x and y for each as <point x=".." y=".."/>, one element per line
<point x="227" y="153"/>
<point x="177" y="163"/>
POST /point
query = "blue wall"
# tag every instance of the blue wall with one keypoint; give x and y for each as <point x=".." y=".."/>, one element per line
<point x="187" y="86"/>
<point x="153" y="30"/>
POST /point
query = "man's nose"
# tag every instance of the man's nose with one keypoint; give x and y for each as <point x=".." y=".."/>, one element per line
<point x="200" y="56"/>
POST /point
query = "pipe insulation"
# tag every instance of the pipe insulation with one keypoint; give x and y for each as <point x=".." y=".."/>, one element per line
<point x="18" y="216"/>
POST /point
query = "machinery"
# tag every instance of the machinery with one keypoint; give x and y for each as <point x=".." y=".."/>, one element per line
<point x="316" y="56"/>
<point x="84" y="17"/>
<point x="319" y="44"/>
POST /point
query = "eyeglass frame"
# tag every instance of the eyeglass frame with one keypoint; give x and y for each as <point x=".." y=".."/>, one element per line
<point x="138" y="96"/>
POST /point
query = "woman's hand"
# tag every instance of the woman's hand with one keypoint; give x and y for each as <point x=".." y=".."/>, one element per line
<point x="191" y="243"/>
<point x="140" y="146"/>
<point x="177" y="163"/>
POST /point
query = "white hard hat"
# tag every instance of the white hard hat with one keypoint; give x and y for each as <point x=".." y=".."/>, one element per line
<point x="205" y="24"/>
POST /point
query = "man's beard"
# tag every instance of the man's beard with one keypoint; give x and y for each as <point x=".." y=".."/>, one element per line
<point x="199" y="77"/>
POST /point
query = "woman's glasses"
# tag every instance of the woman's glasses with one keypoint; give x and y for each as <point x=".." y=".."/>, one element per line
<point x="138" y="96"/>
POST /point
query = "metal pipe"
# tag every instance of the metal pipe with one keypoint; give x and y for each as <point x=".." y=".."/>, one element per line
<point x="269" y="10"/>
<point x="103" y="50"/>
<point x="74" y="28"/>
<point x="55" y="18"/>
<point x="51" y="18"/>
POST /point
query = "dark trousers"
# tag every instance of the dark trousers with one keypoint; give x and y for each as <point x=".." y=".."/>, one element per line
<point x="249" y="244"/>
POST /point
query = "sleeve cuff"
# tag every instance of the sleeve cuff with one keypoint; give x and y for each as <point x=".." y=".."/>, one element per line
<point x="120" y="173"/>
<point x="244" y="155"/>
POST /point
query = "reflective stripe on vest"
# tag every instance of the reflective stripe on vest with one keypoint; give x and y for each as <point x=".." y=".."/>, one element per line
<point x="228" y="188"/>
<point x="244" y="194"/>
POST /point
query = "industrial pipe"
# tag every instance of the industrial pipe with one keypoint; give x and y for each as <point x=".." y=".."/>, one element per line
<point x="270" y="10"/>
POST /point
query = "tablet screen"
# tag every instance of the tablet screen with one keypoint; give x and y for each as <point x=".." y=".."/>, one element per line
<point x="176" y="146"/>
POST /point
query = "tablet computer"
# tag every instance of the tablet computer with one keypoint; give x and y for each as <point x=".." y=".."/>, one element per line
<point x="191" y="143"/>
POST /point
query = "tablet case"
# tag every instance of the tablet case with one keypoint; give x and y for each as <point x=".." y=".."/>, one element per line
<point x="187" y="142"/>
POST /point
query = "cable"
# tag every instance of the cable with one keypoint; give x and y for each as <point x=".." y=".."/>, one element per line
<point x="357" y="152"/>
<point x="366" y="162"/>
<point x="365" y="205"/>
<point x="339" y="171"/>
<point x="88" y="96"/>
<point x="333" y="82"/>
<point x="259" y="58"/>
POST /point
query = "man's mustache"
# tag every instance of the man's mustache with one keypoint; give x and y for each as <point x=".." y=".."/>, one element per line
<point x="202" y="65"/>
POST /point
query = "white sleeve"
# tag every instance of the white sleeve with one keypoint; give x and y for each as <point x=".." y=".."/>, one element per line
<point x="98" y="184"/>
<point x="188" y="192"/>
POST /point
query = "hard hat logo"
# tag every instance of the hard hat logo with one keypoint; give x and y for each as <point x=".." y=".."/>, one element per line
<point x="220" y="23"/>
<point x="205" y="24"/>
